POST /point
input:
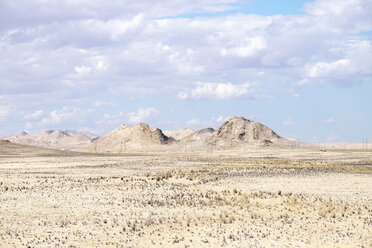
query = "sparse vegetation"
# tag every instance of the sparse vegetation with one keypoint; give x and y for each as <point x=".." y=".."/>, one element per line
<point x="184" y="200"/>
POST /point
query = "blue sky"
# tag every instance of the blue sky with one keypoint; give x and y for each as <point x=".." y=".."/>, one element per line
<point x="265" y="7"/>
<point x="259" y="7"/>
<point x="303" y="68"/>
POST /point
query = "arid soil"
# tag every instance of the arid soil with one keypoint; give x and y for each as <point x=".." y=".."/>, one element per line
<point x="239" y="198"/>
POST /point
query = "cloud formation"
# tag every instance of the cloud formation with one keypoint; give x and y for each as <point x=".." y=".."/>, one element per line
<point x="143" y="114"/>
<point x="213" y="122"/>
<point x="35" y="115"/>
<point x="72" y="53"/>
<point x="217" y="90"/>
<point x="52" y="47"/>
<point x="347" y="15"/>
<point x="67" y="113"/>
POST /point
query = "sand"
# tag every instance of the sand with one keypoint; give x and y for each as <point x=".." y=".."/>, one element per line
<point x="238" y="198"/>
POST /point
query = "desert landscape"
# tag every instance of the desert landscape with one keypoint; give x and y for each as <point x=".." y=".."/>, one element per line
<point x="245" y="187"/>
<point x="186" y="124"/>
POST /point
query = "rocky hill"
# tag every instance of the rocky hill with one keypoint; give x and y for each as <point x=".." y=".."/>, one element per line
<point x="58" y="139"/>
<point x="123" y="138"/>
<point x="238" y="130"/>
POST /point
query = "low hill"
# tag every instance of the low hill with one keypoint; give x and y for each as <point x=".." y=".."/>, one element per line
<point x="238" y="130"/>
<point x="138" y="137"/>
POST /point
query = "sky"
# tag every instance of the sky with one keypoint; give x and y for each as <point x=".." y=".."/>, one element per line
<point x="303" y="68"/>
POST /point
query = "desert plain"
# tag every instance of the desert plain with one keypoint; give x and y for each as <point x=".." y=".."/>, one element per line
<point x="246" y="197"/>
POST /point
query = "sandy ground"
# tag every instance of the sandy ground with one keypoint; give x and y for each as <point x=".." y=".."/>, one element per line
<point x="238" y="198"/>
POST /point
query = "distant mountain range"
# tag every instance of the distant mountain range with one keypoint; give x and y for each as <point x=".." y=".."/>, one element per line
<point x="57" y="139"/>
<point x="237" y="131"/>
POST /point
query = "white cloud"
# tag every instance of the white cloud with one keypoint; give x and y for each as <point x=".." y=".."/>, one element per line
<point x="288" y="122"/>
<point x="352" y="67"/>
<point x="246" y="48"/>
<point x="143" y="114"/>
<point x="221" y="119"/>
<point x="196" y="122"/>
<point x="101" y="66"/>
<point x="182" y="96"/>
<point x="65" y="114"/>
<point x="327" y="7"/>
<point x="82" y="69"/>
<point x="111" y="119"/>
<point x="329" y="120"/>
<point x="34" y="115"/>
<point x="217" y="90"/>
<point x="213" y="122"/>
<point x="4" y="112"/>
<point x="324" y="69"/>
<point x="18" y="13"/>
<point x="103" y="103"/>
<point x="122" y="45"/>
<point x="352" y="15"/>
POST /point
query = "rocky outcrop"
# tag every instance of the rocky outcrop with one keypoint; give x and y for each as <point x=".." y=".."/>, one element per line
<point x="238" y="130"/>
<point x="123" y="138"/>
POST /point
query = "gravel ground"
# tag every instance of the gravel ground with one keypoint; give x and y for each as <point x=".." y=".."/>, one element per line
<point x="259" y="198"/>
